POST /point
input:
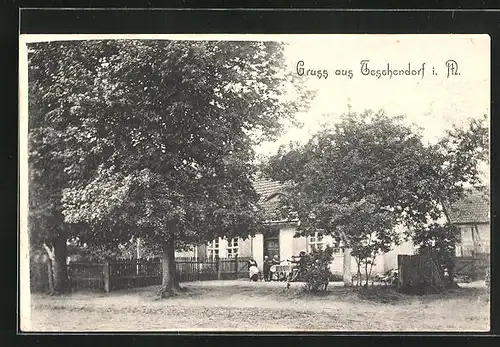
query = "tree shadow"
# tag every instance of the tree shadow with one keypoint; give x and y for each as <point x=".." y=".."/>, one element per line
<point x="390" y="295"/>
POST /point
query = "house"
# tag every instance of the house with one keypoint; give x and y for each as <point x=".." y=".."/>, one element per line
<point x="279" y="240"/>
<point x="471" y="215"/>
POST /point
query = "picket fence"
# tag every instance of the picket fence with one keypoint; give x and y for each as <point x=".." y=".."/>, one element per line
<point x="121" y="274"/>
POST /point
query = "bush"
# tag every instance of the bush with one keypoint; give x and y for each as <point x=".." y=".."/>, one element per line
<point x="317" y="269"/>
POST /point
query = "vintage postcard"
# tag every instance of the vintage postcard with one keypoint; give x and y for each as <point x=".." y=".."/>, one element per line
<point x="177" y="183"/>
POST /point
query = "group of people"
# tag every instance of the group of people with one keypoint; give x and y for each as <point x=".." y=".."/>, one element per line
<point x="268" y="263"/>
<point x="269" y="267"/>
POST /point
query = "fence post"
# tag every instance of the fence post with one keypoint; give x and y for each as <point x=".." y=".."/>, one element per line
<point x="197" y="270"/>
<point x="218" y="267"/>
<point x="106" y="277"/>
<point x="402" y="282"/>
<point x="236" y="265"/>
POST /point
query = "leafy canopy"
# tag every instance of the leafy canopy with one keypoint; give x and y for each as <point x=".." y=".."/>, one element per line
<point x="370" y="172"/>
<point x="154" y="138"/>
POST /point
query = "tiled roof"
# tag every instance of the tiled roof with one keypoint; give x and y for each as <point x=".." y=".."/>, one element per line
<point x="473" y="208"/>
<point x="267" y="189"/>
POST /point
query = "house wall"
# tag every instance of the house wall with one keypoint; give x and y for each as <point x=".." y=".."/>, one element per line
<point x="290" y="246"/>
<point x="258" y="249"/>
<point x="185" y="253"/>
<point x="337" y="265"/>
<point x="389" y="260"/>
<point x="286" y="242"/>
<point x="299" y="244"/>
<point x="293" y="246"/>
<point x="245" y="247"/>
<point x="485" y="235"/>
<point x="467" y="242"/>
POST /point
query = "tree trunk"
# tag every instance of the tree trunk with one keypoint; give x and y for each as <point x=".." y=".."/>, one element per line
<point x="366" y="274"/>
<point x="358" y="273"/>
<point x="370" y="272"/>
<point x="50" y="275"/>
<point x="451" y="275"/>
<point x="169" y="284"/>
<point x="60" y="269"/>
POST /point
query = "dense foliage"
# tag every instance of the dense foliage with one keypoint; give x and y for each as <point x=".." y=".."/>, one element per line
<point x="316" y="271"/>
<point x="369" y="173"/>
<point x="152" y="139"/>
<point x="131" y="249"/>
<point x="438" y="241"/>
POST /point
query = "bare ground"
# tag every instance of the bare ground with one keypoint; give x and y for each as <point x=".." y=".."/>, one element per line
<point x="245" y="306"/>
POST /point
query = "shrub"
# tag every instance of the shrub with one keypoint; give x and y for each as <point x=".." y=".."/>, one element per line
<point x="317" y="269"/>
<point x="438" y="241"/>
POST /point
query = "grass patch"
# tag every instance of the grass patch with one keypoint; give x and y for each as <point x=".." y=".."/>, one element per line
<point x="385" y="295"/>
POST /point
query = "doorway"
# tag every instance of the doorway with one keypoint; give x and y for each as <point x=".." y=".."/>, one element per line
<point x="271" y="243"/>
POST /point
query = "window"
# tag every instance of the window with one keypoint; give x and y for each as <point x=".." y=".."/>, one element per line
<point x="232" y="247"/>
<point x="337" y="249"/>
<point x="315" y="241"/>
<point x="213" y="249"/>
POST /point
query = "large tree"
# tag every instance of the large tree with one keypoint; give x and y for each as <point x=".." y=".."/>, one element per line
<point x="157" y="136"/>
<point x="369" y="173"/>
<point x="57" y="76"/>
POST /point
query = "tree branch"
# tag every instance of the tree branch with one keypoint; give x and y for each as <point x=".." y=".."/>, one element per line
<point x="50" y="252"/>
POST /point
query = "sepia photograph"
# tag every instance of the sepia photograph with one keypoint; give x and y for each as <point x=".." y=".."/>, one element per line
<point x="254" y="183"/>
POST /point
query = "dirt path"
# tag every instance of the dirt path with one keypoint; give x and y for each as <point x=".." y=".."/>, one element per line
<point x="237" y="305"/>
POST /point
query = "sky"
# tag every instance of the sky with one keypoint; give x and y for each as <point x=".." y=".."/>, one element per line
<point x="433" y="102"/>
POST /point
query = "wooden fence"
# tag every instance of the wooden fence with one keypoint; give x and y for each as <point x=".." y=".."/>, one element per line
<point x="120" y="274"/>
<point x="475" y="266"/>
<point x="418" y="274"/>
<point x="87" y="276"/>
<point x="419" y="271"/>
